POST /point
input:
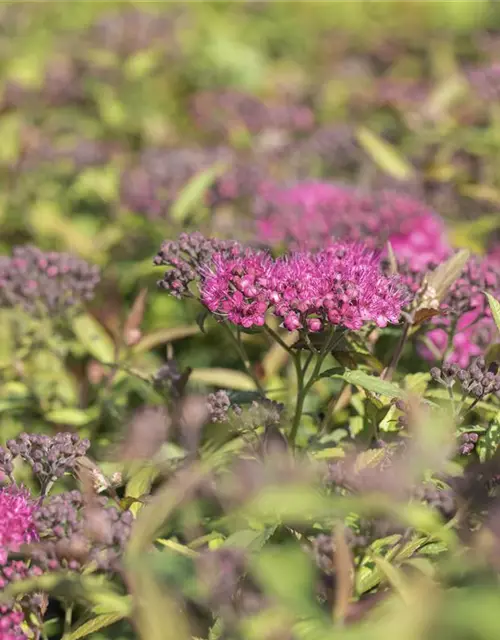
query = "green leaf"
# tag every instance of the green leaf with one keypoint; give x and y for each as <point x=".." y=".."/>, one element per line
<point x="162" y="336"/>
<point x="384" y="154"/>
<point x="489" y="441"/>
<point x="495" y="309"/>
<point x="445" y="275"/>
<point x="328" y="454"/>
<point x="94" y="338"/>
<point x="70" y="416"/>
<point x="192" y="194"/>
<point x="473" y="234"/>
<point x="201" y="318"/>
<point x="141" y="64"/>
<point x="101" y="182"/>
<point x="373" y="384"/>
<point x="369" y="458"/>
<point x="10" y="127"/>
<point x="287" y="572"/>
<point x="224" y="378"/>
<point x="139" y="484"/>
<point x="395" y="577"/>
<point x="177" y="547"/>
<point x="249" y="539"/>
<point x="333" y="372"/>
<point x="49" y="221"/>
<point x="96" y="624"/>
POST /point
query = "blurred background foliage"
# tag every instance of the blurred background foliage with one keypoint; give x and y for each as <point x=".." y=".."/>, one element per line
<point x="122" y="124"/>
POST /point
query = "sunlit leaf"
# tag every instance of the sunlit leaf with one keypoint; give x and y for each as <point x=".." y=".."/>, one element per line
<point x="249" y="539"/>
<point x="395" y="577"/>
<point x="192" y="194"/>
<point x="369" y="458"/>
<point x="495" y="309"/>
<point x="224" y="378"/>
<point x="162" y="336"/>
<point x="444" y="276"/>
<point x="94" y="625"/>
<point x="287" y="572"/>
<point x="94" y="338"/>
<point x="70" y="416"/>
<point x="139" y="484"/>
<point x="489" y="441"/>
<point x="384" y="155"/>
<point x="373" y="384"/>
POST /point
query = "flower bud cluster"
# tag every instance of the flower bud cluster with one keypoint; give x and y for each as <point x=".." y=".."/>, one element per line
<point x="45" y="283"/>
<point x="477" y="380"/>
<point x="74" y="534"/>
<point x="50" y="457"/>
<point x="442" y="500"/>
<point x="186" y="257"/>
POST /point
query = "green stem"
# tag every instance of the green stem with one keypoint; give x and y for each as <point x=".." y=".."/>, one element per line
<point x="236" y="340"/>
<point x="387" y="375"/>
<point x="68" y="617"/>
<point x="303" y="389"/>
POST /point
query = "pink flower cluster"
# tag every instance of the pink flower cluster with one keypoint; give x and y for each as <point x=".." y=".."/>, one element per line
<point x="466" y="304"/>
<point x="309" y="214"/>
<point x="17" y="527"/>
<point x="474" y="333"/>
<point x="340" y="285"/>
<point x="17" y="524"/>
<point x="10" y="624"/>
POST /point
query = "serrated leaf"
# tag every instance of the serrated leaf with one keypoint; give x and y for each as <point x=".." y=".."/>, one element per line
<point x="373" y="384"/>
<point x="224" y="378"/>
<point x="96" y="624"/>
<point x="384" y="154"/>
<point x="192" y="194"/>
<point x="328" y="454"/>
<point x="369" y="458"/>
<point x="162" y="336"/>
<point x="488" y="442"/>
<point x="94" y="338"/>
<point x="495" y="309"/>
<point x="417" y="382"/>
<point x="445" y="275"/>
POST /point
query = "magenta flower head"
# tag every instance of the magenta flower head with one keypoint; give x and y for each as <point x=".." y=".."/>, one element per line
<point x="238" y="287"/>
<point x="341" y="285"/>
<point x="10" y="624"/>
<point x="17" y="526"/>
<point x="308" y="214"/>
